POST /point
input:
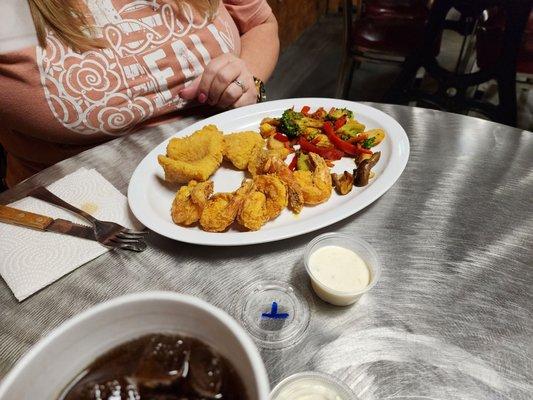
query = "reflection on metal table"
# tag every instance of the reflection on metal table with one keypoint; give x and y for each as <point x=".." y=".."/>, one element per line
<point x="450" y="318"/>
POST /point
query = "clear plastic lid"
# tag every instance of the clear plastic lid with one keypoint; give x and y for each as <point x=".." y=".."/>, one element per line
<point x="274" y="313"/>
<point x="306" y="384"/>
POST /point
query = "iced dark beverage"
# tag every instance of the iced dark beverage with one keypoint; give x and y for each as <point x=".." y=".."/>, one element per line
<point x="158" y="367"/>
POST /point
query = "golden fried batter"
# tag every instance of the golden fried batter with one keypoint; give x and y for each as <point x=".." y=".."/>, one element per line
<point x="281" y="153"/>
<point x="294" y="191"/>
<point x="238" y="147"/>
<point x="275" y="192"/>
<point x="215" y="217"/>
<point x="260" y="156"/>
<point x="196" y="157"/>
<point x="222" y="208"/>
<point x="257" y="161"/>
<point x="316" y="185"/>
<point x="273" y="144"/>
<point x="190" y="201"/>
<point x="253" y="214"/>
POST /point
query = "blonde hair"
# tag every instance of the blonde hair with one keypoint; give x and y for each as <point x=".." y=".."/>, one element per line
<point x="67" y="19"/>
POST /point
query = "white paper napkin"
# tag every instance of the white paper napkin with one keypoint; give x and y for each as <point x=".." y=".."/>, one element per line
<point x="31" y="260"/>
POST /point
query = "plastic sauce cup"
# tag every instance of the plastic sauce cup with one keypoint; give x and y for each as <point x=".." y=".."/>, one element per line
<point x="305" y="384"/>
<point x="359" y="246"/>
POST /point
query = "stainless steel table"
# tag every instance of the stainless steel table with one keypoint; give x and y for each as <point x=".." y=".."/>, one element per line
<point x="451" y="317"/>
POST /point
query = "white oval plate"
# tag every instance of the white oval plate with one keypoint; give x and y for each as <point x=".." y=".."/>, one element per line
<point x="150" y="197"/>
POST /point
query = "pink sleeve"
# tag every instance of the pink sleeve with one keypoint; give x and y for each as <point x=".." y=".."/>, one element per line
<point x="247" y="14"/>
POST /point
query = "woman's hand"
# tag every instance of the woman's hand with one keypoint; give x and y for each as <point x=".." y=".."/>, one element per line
<point x="218" y="85"/>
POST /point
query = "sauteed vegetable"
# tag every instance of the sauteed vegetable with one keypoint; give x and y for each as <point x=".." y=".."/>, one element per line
<point x="332" y="135"/>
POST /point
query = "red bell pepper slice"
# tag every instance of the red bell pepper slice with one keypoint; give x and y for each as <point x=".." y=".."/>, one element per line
<point x="337" y="141"/>
<point x="305" y="110"/>
<point x="339" y="123"/>
<point x="362" y="150"/>
<point x="316" y="140"/>
<point x="319" y="114"/>
<point x="348" y="148"/>
<point x="329" y="154"/>
<point x="281" y="137"/>
<point x="292" y="165"/>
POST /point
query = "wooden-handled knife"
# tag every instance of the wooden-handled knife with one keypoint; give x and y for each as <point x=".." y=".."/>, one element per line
<point x="27" y="219"/>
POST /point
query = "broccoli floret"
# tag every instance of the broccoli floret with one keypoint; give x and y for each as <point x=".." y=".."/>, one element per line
<point x="336" y="113"/>
<point x="290" y="123"/>
<point x="351" y="128"/>
<point x="368" y="143"/>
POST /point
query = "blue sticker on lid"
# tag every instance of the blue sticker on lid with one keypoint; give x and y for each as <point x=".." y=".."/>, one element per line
<point x="273" y="314"/>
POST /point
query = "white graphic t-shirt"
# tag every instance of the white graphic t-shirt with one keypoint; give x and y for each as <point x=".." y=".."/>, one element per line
<point x="55" y="102"/>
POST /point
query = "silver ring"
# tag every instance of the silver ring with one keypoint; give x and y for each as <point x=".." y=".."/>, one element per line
<point x="240" y="84"/>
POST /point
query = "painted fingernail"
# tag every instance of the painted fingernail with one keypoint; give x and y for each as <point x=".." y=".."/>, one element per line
<point x="202" y="98"/>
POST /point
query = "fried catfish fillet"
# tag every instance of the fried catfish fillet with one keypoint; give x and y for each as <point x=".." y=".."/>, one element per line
<point x="195" y="157"/>
<point x="239" y="146"/>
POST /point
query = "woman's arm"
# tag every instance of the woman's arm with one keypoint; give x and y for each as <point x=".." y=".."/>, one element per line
<point x="260" y="48"/>
<point x="259" y="55"/>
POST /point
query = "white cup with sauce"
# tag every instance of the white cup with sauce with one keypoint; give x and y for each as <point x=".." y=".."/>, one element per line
<point x="312" y="385"/>
<point x="323" y="287"/>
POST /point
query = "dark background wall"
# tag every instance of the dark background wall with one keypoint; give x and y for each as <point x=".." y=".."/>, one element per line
<point x="295" y="16"/>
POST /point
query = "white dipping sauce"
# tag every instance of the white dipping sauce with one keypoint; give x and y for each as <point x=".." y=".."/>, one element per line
<point x="308" y="389"/>
<point x="338" y="269"/>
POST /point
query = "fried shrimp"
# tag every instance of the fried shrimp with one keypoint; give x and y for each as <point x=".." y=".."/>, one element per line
<point x="294" y="191"/>
<point x="275" y="192"/>
<point x="316" y="184"/>
<point x="215" y="217"/>
<point x="260" y="156"/>
<point x="222" y="208"/>
<point x="190" y="201"/>
<point x="257" y="160"/>
<point x="282" y="153"/>
<point x="253" y="214"/>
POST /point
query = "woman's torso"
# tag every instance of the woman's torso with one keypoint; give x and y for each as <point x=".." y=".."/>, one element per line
<point x="56" y="102"/>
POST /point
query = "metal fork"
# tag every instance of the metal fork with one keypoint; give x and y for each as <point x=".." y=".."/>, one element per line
<point x="108" y="233"/>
